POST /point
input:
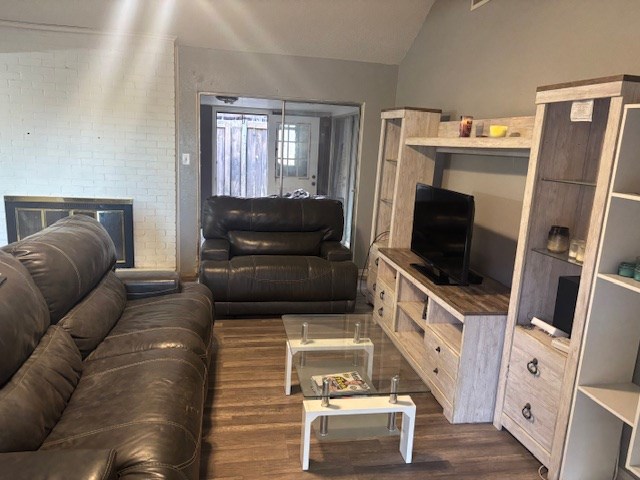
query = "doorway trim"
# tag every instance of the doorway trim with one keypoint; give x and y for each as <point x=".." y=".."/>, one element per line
<point x="198" y="157"/>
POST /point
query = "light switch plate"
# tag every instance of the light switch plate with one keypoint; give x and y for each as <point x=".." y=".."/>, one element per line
<point x="186" y="159"/>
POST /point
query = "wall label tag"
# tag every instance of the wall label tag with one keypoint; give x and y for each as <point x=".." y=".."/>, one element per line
<point x="582" y="111"/>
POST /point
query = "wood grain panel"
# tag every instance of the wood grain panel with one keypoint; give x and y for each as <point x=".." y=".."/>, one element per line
<point x="489" y="298"/>
<point x="414" y="166"/>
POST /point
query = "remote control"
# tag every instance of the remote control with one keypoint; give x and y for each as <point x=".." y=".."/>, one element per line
<point x="550" y="329"/>
<point x="561" y="343"/>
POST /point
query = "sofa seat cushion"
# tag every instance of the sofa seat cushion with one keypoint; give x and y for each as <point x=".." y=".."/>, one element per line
<point x="147" y="406"/>
<point x="33" y="401"/>
<point x="270" y="278"/>
<point x="181" y="320"/>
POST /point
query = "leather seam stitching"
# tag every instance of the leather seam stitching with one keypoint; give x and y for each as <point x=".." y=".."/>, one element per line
<point x="143" y="362"/>
<point x="118" y="426"/>
<point x="112" y="456"/>
<point x="131" y="307"/>
<point x="153" y="329"/>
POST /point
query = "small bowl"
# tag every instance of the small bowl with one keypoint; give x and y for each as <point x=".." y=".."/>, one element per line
<point x="498" y="131"/>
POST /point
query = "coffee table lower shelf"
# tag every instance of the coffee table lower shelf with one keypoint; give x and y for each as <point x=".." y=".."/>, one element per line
<point x="371" y="405"/>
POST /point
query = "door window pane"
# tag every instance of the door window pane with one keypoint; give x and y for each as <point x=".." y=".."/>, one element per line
<point x="295" y="145"/>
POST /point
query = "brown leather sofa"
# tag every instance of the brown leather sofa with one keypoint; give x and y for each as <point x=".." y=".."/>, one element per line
<point x="94" y="385"/>
<point x="272" y="256"/>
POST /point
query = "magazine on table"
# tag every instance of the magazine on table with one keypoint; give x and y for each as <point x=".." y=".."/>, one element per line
<point x="343" y="382"/>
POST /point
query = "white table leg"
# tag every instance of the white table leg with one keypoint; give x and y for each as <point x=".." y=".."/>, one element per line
<point x="406" y="435"/>
<point x="287" y="370"/>
<point x="369" y="351"/>
<point x="305" y="439"/>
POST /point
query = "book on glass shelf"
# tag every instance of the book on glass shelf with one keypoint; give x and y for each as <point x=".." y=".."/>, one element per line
<point x="343" y="382"/>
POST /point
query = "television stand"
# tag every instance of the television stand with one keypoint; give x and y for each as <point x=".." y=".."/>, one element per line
<point x="451" y="335"/>
<point x="438" y="277"/>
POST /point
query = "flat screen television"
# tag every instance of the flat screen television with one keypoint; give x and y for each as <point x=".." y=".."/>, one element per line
<point x="441" y="235"/>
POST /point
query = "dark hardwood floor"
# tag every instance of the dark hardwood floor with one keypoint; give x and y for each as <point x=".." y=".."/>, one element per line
<point x="252" y="430"/>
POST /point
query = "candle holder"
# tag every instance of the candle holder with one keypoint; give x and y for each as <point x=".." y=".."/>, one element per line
<point x="466" y="122"/>
<point x="558" y="240"/>
<point x="574" y="247"/>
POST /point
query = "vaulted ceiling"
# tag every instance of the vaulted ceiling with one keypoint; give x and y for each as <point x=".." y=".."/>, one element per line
<point x="379" y="31"/>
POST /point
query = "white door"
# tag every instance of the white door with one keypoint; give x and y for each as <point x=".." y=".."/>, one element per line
<point x="299" y="143"/>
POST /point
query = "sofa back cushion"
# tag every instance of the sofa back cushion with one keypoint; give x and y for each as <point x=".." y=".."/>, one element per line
<point x="66" y="260"/>
<point x="32" y="402"/>
<point x="274" y="243"/>
<point x="221" y="215"/>
<point x="94" y="317"/>
<point x="24" y="316"/>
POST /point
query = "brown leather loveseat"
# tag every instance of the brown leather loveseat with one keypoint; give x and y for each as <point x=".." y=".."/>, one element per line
<point x="269" y="256"/>
<point x="93" y="385"/>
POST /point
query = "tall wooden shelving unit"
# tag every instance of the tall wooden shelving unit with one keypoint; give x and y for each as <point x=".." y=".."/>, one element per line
<point x="413" y="144"/>
<point x="567" y="184"/>
<point x="398" y="169"/>
<point x="607" y="394"/>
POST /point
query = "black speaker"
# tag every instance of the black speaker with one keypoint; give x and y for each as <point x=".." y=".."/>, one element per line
<point x="566" y="303"/>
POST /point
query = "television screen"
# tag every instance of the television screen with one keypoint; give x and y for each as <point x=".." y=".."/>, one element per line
<point x="441" y="236"/>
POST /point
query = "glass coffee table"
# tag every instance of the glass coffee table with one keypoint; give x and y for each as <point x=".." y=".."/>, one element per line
<point x="347" y="367"/>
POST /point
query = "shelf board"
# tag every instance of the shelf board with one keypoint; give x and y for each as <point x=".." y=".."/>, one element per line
<point x="582" y="183"/>
<point x="621" y="399"/>
<point x="560" y="256"/>
<point x="414" y="312"/>
<point x="505" y="146"/>
<point x="413" y="345"/>
<point x="627" y="196"/>
<point x="451" y="333"/>
<point x="625" y="282"/>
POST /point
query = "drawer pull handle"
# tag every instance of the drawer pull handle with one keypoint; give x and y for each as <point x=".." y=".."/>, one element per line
<point x="380" y="310"/>
<point x="382" y="295"/>
<point x="435" y="370"/>
<point x="374" y="287"/>
<point x="532" y="366"/>
<point x="526" y="411"/>
<point x="377" y="261"/>
<point x="438" y="349"/>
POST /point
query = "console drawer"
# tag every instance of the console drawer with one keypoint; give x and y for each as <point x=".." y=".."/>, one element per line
<point x="442" y="381"/>
<point x="533" y="385"/>
<point x="531" y="349"/>
<point x="444" y="357"/>
<point x="383" y="303"/>
<point x="532" y="412"/>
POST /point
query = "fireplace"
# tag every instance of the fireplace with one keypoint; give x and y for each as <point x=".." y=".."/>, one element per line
<point x="28" y="215"/>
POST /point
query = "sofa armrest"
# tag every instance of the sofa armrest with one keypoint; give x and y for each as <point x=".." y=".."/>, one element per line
<point x="143" y="284"/>
<point x="334" y="251"/>
<point x="215" y="249"/>
<point x="58" y="465"/>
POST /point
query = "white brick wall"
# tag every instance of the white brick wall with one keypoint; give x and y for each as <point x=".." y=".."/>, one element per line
<point x="86" y="115"/>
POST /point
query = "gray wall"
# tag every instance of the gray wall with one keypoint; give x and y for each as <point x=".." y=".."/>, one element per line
<point x="488" y="63"/>
<point x="276" y="76"/>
